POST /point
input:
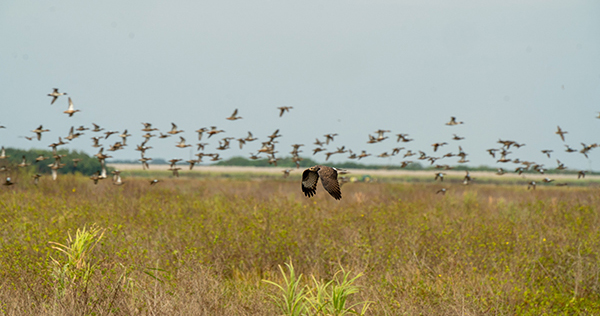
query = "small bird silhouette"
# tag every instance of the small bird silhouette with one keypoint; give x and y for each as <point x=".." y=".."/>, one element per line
<point x="55" y="94"/>
<point x="453" y="121"/>
<point x="234" y="116"/>
<point x="283" y="109"/>
<point x="561" y="133"/>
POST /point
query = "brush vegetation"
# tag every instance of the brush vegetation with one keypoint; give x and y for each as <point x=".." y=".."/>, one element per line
<point x="213" y="246"/>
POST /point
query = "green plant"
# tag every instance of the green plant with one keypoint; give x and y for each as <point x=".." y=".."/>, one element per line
<point x="292" y="298"/>
<point x="331" y="298"/>
<point x="76" y="268"/>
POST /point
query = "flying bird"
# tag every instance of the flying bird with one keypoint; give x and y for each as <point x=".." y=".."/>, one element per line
<point x="55" y="94"/>
<point x="453" y="121"/>
<point x="438" y="145"/>
<point x="71" y="110"/>
<point x="147" y="127"/>
<point x="38" y="131"/>
<point x="234" y="116"/>
<point x="182" y="143"/>
<point x="97" y="128"/>
<point x="561" y="133"/>
<point x="329" y="137"/>
<point x="283" y="109"/>
<point x="329" y="180"/>
<point x="36" y="178"/>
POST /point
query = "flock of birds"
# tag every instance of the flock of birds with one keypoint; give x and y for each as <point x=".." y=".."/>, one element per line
<point x="328" y="175"/>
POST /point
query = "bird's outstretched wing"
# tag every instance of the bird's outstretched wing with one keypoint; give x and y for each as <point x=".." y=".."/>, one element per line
<point x="309" y="182"/>
<point x="330" y="182"/>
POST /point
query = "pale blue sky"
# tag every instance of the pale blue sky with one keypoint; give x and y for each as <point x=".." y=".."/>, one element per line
<point x="508" y="69"/>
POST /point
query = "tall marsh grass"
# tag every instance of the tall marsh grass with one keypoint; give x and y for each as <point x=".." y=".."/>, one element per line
<point x="203" y="247"/>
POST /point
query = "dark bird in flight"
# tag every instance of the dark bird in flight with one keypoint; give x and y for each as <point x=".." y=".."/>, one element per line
<point x="283" y="109"/>
<point x="329" y="180"/>
<point x="438" y="145"/>
<point x="547" y="152"/>
<point x="329" y="137"/>
<point x="561" y="133"/>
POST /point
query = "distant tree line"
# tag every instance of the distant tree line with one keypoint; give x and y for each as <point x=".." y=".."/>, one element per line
<point x="87" y="165"/>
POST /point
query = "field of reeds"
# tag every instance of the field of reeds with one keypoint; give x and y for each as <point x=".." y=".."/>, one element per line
<point x="214" y="246"/>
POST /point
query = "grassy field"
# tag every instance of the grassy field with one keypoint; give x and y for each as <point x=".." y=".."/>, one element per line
<point x="205" y="246"/>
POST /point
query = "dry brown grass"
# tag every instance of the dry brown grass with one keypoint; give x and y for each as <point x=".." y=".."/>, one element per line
<point x="202" y="247"/>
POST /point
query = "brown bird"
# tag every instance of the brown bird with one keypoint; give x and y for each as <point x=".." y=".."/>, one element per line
<point x="71" y="110"/>
<point x="213" y="130"/>
<point x="174" y="130"/>
<point x="201" y="131"/>
<point x="453" y="121"/>
<point x="329" y="137"/>
<point x="182" y="143"/>
<point x="38" y="131"/>
<point x="97" y="128"/>
<point x="438" y="145"/>
<point x="561" y="133"/>
<point x="148" y="127"/>
<point x="283" y="109"/>
<point x="328" y="177"/>
<point x="234" y="116"/>
<point x="547" y="152"/>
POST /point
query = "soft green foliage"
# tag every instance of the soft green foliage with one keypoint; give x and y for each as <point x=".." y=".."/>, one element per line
<point x="76" y="268"/>
<point x="291" y="300"/>
<point x="331" y="298"/>
<point x="324" y="298"/>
